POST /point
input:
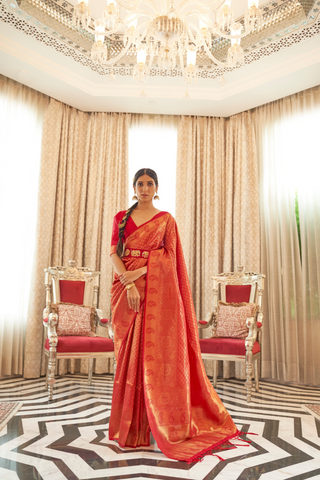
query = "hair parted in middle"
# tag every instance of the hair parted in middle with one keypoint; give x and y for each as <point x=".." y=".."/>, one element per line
<point x="143" y="171"/>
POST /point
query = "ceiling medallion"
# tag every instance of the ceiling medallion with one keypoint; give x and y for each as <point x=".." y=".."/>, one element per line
<point x="167" y="36"/>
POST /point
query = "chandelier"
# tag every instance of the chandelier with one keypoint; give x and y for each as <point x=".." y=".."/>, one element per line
<point x="165" y="35"/>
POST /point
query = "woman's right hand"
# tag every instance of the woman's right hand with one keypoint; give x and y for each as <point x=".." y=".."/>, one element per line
<point x="133" y="297"/>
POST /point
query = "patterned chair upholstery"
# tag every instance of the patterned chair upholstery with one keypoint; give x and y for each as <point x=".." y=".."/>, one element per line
<point x="78" y="287"/>
<point x="234" y="288"/>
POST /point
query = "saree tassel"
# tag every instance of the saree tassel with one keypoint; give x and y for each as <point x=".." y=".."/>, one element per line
<point x="224" y="445"/>
<point x="243" y="439"/>
<point x="245" y="433"/>
<point x="215" y="455"/>
<point x="199" y="458"/>
<point x="241" y="445"/>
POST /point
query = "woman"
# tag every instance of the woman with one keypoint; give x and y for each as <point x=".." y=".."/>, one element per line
<point x="160" y="381"/>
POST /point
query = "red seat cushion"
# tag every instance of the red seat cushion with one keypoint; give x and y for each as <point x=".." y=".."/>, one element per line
<point x="238" y="293"/>
<point x="71" y="291"/>
<point x="226" y="346"/>
<point x="82" y="344"/>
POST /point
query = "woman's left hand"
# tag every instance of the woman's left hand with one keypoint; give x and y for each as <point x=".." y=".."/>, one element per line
<point x="129" y="276"/>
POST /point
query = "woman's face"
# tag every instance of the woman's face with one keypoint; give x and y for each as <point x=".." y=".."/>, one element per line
<point x="145" y="188"/>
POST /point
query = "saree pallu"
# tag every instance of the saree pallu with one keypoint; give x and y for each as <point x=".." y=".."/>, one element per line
<point x="160" y="380"/>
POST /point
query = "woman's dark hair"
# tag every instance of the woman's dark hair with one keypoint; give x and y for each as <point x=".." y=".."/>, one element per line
<point x="122" y="225"/>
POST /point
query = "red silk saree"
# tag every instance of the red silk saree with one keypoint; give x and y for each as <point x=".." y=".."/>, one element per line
<point x="160" y="381"/>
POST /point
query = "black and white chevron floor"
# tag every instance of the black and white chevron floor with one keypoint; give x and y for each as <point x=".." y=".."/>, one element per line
<point x="68" y="438"/>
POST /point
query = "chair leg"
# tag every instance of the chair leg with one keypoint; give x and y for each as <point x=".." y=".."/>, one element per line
<point x="51" y="371"/>
<point x="114" y="366"/>
<point x="249" y="372"/>
<point x="215" y="372"/>
<point x="47" y="371"/>
<point x="256" y="374"/>
<point x="90" y="371"/>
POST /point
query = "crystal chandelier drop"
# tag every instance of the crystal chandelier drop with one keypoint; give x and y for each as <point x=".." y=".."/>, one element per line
<point x="165" y="35"/>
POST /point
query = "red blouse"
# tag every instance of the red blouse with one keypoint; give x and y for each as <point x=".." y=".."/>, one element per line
<point x="129" y="229"/>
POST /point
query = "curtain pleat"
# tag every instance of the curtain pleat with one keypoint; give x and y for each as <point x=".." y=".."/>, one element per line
<point x="83" y="183"/>
<point x="217" y="204"/>
<point x="287" y="134"/>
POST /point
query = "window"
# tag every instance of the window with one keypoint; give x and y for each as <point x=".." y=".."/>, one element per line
<point x="153" y="144"/>
<point x="21" y="118"/>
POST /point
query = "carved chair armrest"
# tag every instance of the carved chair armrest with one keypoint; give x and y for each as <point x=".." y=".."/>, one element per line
<point x="45" y="316"/>
<point x="259" y="321"/>
<point x="52" y="333"/>
<point x="104" y="322"/>
<point x="208" y="322"/>
<point x="252" y="333"/>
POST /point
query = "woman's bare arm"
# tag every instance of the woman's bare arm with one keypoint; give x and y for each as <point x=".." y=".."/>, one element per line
<point x="127" y="277"/>
<point x="118" y="264"/>
<point x="132" y="275"/>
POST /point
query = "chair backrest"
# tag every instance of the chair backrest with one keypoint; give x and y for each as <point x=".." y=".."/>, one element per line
<point x="71" y="284"/>
<point x="238" y="287"/>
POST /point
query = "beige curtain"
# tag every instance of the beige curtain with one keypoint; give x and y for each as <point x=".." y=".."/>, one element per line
<point x="217" y="203"/>
<point x="83" y="183"/>
<point x="21" y="119"/>
<point x="287" y="134"/>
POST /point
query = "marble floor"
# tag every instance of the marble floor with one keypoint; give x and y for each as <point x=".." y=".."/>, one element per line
<point x="68" y="438"/>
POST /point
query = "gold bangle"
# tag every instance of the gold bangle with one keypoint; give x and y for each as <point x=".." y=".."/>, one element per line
<point x="130" y="285"/>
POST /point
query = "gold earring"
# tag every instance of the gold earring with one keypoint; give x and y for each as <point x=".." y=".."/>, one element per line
<point x="156" y="197"/>
<point x="135" y="197"/>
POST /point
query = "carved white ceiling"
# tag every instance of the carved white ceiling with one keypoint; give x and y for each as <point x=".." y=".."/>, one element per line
<point x="282" y="59"/>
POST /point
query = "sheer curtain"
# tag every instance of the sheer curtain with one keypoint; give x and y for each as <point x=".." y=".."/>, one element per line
<point x="287" y="134"/>
<point x="153" y="144"/>
<point x="21" y="118"/>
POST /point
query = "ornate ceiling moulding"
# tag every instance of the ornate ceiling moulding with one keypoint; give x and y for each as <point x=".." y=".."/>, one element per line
<point x="307" y="6"/>
<point x="283" y="23"/>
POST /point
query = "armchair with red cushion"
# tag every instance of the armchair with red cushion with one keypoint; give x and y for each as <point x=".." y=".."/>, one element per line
<point x="235" y="323"/>
<point x="71" y="317"/>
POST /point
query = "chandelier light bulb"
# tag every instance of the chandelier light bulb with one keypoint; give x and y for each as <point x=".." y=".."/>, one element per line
<point x="236" y="32"/>
<point x="99" y="27"/>
<point x="133" y="24"/>
<point x="191" y="55"/>
<point x="253" y="16"/>
<point x="225" y="17"/>
<point x="140" y="70"/>
<point x="81" y="14"/>
<point x="141" y="55"/>
<point x="202" y="25"/>
<point x="204" y="32"/>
